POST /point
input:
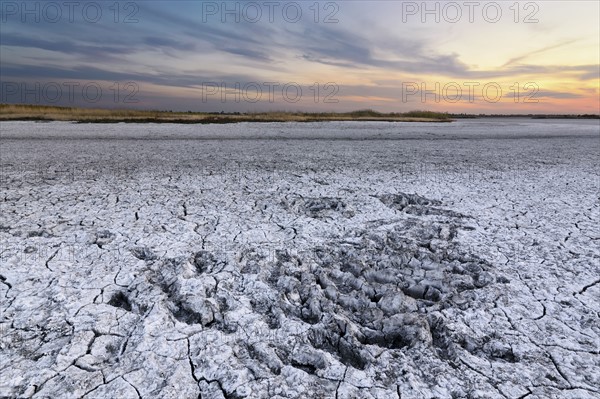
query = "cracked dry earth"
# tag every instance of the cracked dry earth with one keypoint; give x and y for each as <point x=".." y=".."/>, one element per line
<point x="332" y="260"/>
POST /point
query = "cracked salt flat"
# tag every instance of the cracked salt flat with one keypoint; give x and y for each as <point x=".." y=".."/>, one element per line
<point x="349" y="260"/>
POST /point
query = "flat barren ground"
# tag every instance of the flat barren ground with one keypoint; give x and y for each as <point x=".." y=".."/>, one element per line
<point x="314" y="260"/>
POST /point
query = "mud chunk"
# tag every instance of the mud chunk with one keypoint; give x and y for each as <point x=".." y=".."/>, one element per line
<point x="202" y="312"/>
<point x="308" y="360"/>
<point x="266" y="356"/>
<point x="333" y="338"/>
<point x="392" y="303"/>
<point x="204" y="261"/>
<point x="311" y="313"/>
<point x="416" y="291"/>
<point x="120" y="300"/>
<point x="500" y="350"/>
<point x="401" y="200"/>
<point x="432" y="294"/>
<point x="385" y="276"/>
<point x="143" y="253"/>
<point x="103" y="237"/>
<point x="483" y="279"/>
<point x="319" y="207"/>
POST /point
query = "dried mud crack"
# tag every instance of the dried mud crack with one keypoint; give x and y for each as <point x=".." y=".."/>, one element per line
<point x="300" y="268"/>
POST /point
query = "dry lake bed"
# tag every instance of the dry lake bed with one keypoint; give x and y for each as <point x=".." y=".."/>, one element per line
<point x="300" y="260"/>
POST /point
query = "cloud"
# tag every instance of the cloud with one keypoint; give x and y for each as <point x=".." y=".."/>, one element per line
<point x="539" y="51"/>
<point x="187" y="80"/>
<point x="161" y="42"/>
<point x="63" y="46"/>
<point x="252" y="54"/>
<point x="583" y="72"/>
<point x="93" y="49"/>
<point x="557" y="94"/>
<point x="172" y="46"/>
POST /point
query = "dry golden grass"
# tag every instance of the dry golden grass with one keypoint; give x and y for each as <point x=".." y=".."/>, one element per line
<point x="49" y="113"/>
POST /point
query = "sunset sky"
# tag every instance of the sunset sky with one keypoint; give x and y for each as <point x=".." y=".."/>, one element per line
<point x="343" y="55"/>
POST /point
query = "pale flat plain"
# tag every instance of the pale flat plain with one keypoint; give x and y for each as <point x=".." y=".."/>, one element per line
<point x="347" y="260"/>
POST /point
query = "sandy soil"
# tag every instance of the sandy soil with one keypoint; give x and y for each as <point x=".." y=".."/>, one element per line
<point x="347" y="260"/>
